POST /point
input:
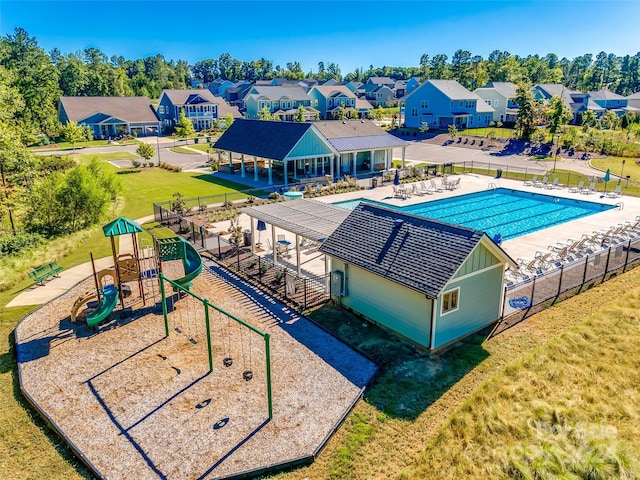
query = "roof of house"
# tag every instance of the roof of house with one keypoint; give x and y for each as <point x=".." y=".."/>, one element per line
<point x="418" y="253"/>
<point x="273" y="92"/>
<point x="362" y="104"/>
<point x="334" y="90"/>
<point x="634" y="96"/>
<point x="262" y="138"/>
<point x="453" y="89"/>
<point x="184" y="97"/>
<point x="381" y="80"/>
<point x="506" y="89"/>
<point x="224" y="109"/>
<point x="129" y="109"/>
<point x="606" y="95"/>
<point x="356" y="135"/>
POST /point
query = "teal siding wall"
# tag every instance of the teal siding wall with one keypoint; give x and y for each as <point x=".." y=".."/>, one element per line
<point x="400" y="309"/>
<point x="310" y="145"/>
<point x="479" y="305"/>
<point x="480" y="258"/>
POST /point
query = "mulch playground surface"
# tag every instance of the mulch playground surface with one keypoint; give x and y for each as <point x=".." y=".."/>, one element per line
<point x="136" y="404"/>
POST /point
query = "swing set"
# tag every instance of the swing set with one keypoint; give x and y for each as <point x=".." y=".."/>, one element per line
<point x="208" y="308"/>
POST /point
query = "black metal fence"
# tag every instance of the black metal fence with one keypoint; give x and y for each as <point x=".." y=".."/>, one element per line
<point x="300" y="291"/>
<point x="566" y="280"/>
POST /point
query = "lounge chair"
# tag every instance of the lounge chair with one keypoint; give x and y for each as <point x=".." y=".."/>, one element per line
<point x="591" y="189"/>
<point x="542" y="182"/>
<point x="554" y="184"/>
<point x="577" y="188"/>
<point x="396" y="192"/>
<point x="528" y="183"/>
<point x="414" y="190"/>
<point x="617" y="192"/>
<point x="425" y="190"/>
<point x="435" y="186"/>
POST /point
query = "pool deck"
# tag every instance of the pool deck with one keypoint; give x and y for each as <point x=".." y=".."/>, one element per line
<point x="525" y="246"/>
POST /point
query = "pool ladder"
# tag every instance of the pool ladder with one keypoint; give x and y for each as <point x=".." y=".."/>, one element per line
<point x="492" y="186"/>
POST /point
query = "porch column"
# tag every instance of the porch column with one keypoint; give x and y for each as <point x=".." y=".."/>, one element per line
<point x="253" y="234"/>
<point x="332" y="161"/>
<point x="286" y="174"/>
<point x="219" y="156"/>
<point x="372" y="158"/>
<point x="242" y="166"/>
<point x="298" y="253"/>
<point x="295" y="170"/>
<point x="274" y="245"/>
<point x="386" y="159"/>
<point x="315" y="166"/>
<point x="327" y="269"/>
<point x="403" y="151"/>
<point x="255" y="169"/>
<point x="324" y="160"/>
<point x="230" y="161"/>
<point x="354" y="155"/>
<point x="270" y="172"/>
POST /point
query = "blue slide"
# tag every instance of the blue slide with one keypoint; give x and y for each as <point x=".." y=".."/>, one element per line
<point x="107" y="304"/>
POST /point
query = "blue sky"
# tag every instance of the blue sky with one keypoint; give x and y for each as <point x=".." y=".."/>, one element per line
<point x="350" y="33"/>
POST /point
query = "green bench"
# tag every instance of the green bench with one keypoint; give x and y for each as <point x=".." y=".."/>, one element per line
<point x="40" y="274"/>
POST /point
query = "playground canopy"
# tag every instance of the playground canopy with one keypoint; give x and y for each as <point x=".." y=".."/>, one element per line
<point x="121" y="226"/>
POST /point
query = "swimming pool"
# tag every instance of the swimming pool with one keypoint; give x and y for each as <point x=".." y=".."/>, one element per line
<point x="510" y="213"/>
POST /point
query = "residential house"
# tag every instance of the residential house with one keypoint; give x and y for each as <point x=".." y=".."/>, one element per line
<point x="501" y="96"/>
<point x="405" y="87"/>
<point x="281" y="101"/>
<point x="577" y="102"/>
<point x="633" y="100"/>
<point x="291" y="150"/>
<point x="111" y="117"/>
<point x="381" y="81"/>
<point x="440" y="103"/>
<point x="218" y="86"/>
<point x="353" y="85"/>
<point x="234" y="95"/>
<point x="610" y="101"/>
<point x="329" y="99"/>
<point x="430" y="282"/>
<point x="200" y="106"/>
<point x="380" y="95"/>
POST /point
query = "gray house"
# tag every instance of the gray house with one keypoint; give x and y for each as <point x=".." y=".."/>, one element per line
<point x="501" y="96"/>
<point x="110" y="117"/>
<point x="430" y="282"/>
<point x="200" y="106"/>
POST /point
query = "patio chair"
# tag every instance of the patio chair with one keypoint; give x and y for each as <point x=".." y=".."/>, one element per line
<point x="435" y="186"/>
<point x="577" y="188"/>
<point x="267" y="242"/>
<point x="415" y="191"/>
<point x="589" y="190"/>
<point x="542" y="182"/>
<point x="529" y="183"/>
<point x="554" y="184"/>
<point x="283" y="250"/>
<point x="617" y="192"/>
<point x="425" y="190"/>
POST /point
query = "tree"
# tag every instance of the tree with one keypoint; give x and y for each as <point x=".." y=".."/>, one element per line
<point x="558" y="114"/>
<point x="588" y="120"/>
<point x="525" y="122"/>
<point x="300" y="114"/>
<point x="185" y="129"/>
<point x="73" y="133"/>
<point x="265" y="114"/>
<point x="452" y="131"/>
<point x="342" y="113"/>
<point x="146" y="151"/>
<point x="378" y="113"/>
<point x="424" y="127"/>
<point x="228" y="121"/>
<point x="609" y="120"/>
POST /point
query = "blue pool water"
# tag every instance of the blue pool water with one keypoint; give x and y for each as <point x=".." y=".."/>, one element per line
<point x="510" y="213"/>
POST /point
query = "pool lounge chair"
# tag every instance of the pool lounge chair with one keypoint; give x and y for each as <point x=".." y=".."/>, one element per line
<point x="528" y="183"/>
<point x="435" y="186"/>
<point x="425" y="190"/>
<point x="577" y="188"/>
<point x="589" y="190"/>
<point x="542" y="182"/>
<point x="415" y="191"/>
<point x="554" y="184"/>
<point x="617" y="192"/>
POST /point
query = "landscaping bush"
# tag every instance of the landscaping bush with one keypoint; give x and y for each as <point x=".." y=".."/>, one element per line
<point x="14" y="244"/>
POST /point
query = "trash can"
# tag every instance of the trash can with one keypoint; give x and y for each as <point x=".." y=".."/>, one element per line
<point x="499" y="173"/>
<point x="374" y="182"/>
<point x="247" y="238"/>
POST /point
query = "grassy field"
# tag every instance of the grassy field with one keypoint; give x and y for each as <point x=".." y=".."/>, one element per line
<point x="502" y="132"/>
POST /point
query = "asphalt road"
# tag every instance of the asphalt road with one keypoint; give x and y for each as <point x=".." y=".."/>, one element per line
<point x="417" y="151"/>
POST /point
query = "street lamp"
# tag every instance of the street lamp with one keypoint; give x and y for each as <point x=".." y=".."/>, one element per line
<point x="555" y="159"/>
<point x="622" y="169"/>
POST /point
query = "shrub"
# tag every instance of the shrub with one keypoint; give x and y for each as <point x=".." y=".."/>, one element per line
<point x="135" y="163"/>
<point x="14" y="244"/>
<point x="150" y="164"/>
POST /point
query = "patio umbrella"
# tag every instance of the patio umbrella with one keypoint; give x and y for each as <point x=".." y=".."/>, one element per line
<point x="607" y="177"/>
<point x="261" y="227"/>
<point x="396" y="178"/>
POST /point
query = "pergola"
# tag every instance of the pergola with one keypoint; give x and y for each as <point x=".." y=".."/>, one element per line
<point x="306" y="218"/>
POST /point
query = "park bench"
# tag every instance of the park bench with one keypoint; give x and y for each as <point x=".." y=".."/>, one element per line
<point x="40" y="274"/>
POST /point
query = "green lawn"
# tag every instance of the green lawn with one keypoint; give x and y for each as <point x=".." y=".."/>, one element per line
<point x="189" y="150"/>
<point x="79" y="145"/>
<point x="502" y="132"/>
<point x="85" y="157"/>
<point x="615" y="164"/>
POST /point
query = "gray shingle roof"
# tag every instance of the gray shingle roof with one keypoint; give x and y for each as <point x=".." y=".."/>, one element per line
<point x="293" y="92"/>
<point x="506" y="89"/>
<point x="129" y="109"/>
<point x="605" y="95"/>
<point x="262" y="138"/>
<point x="420" y="253"/>
<point x="350" y="135"/>
<point x="180" y="97"/>
<point x="453" y="89"/>
<point x="347" y="144"/>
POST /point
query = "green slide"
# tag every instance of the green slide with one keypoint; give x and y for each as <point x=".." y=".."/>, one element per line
<point x="107" y="304"/>
<point x="192" y="265"/>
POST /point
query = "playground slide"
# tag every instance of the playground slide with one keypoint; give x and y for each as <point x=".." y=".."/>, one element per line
<point x="82" y="299"/>
<point x="107" y="304"/>
<point x="192" y="265"/>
